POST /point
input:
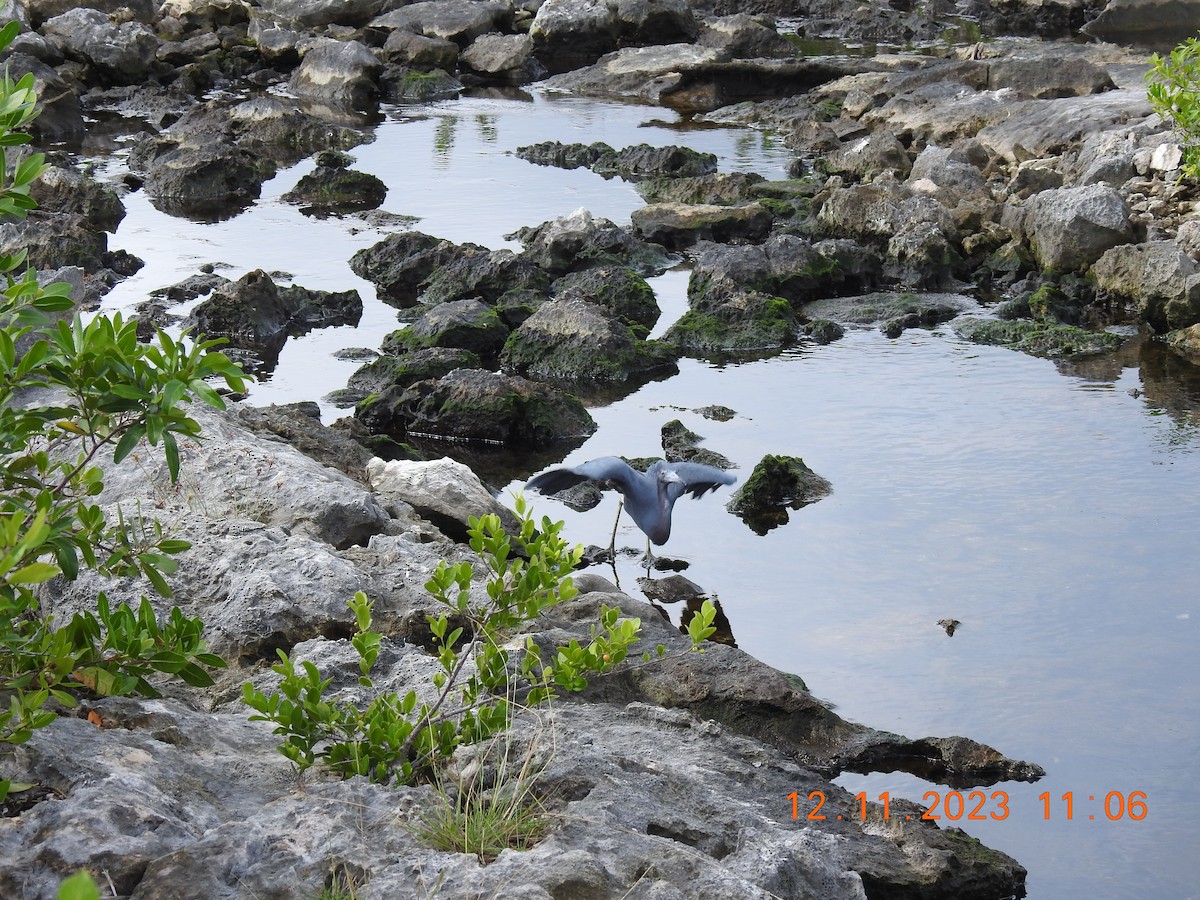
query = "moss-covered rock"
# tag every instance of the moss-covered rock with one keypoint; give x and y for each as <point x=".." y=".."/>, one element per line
<point x="681" y="444"/>
<point x="891" y="311"/>
<point x="738" y="321"/>
<point x="573" y="340"/>
<point x="1037" y="338"/>
<point x="618" y="289"/>
<point x="719" y="188"/>
<point x="403" y="369"/>
<point x="465" y="324"/>
<point x="778" y="483"/>
<point x="401" y="84"/>
<point x="332" y="187"/>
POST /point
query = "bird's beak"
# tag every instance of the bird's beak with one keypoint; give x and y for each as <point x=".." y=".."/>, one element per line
<point x="670" y="476"/>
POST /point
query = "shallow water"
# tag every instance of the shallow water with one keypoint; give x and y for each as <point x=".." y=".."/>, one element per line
<point x="1053" y="511"/>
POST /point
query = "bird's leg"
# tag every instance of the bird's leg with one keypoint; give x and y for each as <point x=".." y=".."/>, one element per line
<point x="648" y="559"/>
<point x="612" y="545"/>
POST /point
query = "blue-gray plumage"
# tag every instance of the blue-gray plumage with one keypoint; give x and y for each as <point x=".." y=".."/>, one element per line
<point x="649" y="496"/>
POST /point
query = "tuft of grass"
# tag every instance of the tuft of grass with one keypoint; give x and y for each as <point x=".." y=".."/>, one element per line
<point x="474" y="818"/>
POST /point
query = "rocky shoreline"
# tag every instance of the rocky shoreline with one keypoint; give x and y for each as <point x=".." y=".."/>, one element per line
<point x="1024" y="170"/>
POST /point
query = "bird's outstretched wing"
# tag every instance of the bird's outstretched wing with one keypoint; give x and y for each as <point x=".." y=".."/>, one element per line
<point x="697" y="479"/>
<point x="605" y="468"/>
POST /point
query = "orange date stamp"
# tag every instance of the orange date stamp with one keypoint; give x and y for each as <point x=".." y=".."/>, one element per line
<point x="977" y="806"/>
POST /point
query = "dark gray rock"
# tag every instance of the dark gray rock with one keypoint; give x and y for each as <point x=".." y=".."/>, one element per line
<point x="630" y="163"/>
<point x="784" y="266"/>
<point x="399" y="264"/>
<point x="579" y="240"/>
<point x="119" y="53"/>
<point x="681" y="444"/>
<point x="574" y="340"/>
<point x="206" y="183"/>
<point x="60" y="117"/>
<point x="65" y="191"/>
<point x="253" y="313"/>
<point x="395" y="370"/>
<point x="728" y="319"/>
<point x="336" y="189"/>
<point x="486" y="275"/>
<point x="476" y="405"/>
<point x="53" y="241"/>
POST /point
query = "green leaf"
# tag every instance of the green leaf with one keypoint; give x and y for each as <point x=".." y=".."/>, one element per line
<point x="79" y="886"/>
<point x="34" y="573"/>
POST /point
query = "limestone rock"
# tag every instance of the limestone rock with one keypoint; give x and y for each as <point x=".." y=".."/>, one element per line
<point x="445" y="492"/>
<point x="506" y="58"/>
<point x="1158" y="277"/>
<point x="339" y="72"/>
<point x="677" y="225"/>
<point x="1069" y="229"/>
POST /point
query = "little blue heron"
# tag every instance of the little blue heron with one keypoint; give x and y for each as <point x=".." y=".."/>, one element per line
<point x="649" y="496"/>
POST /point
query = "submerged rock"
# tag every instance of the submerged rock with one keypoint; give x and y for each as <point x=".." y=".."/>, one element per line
<point x="1037" y="338"/>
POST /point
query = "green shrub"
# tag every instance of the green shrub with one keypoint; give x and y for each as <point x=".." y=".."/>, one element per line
<point x="1173" y="88"/>
<point x="398" y="738"/>
<point x="68" y="392"/>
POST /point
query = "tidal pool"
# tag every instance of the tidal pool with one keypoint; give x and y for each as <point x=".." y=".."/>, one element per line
<point x="1053" y="510"/>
